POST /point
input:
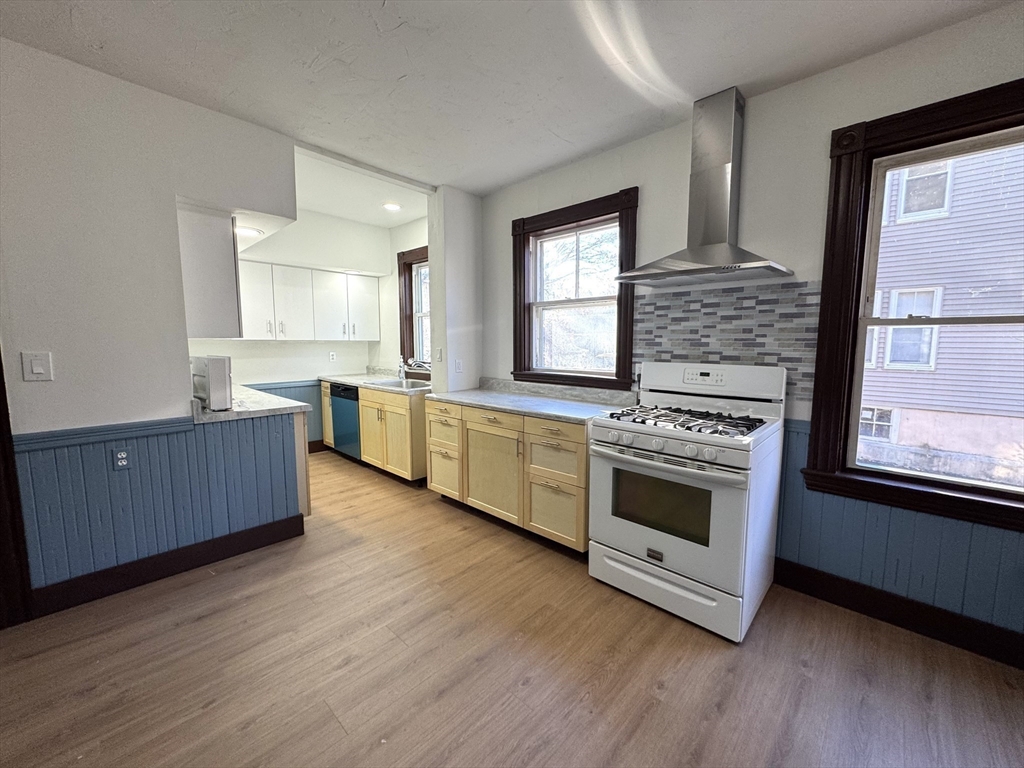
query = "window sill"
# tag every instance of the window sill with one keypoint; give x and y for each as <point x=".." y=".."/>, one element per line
<point x="961" y="504"/>
<point x="572" y="380"/>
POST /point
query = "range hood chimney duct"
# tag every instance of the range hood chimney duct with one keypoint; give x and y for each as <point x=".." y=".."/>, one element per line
<point x="711" y="253"/>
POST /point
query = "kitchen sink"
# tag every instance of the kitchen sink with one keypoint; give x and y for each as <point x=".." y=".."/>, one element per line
<point x="402" y="383"/>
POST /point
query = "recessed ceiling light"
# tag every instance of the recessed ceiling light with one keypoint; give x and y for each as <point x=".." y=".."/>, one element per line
<point x="248" y="231"/>
<point x="392" y="207"/>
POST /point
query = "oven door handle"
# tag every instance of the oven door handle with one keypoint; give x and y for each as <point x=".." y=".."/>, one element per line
<point x="710" y="476"/>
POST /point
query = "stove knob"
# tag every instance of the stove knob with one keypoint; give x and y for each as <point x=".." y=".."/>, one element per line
<point x="613" y="437"/>
<point x="691" y="451"/>
<point x="710" y="454"/>
<point x="658" y="444"/>
<point x="627" y="439"/>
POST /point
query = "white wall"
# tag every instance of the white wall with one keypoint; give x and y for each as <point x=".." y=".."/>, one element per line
<point x="261" y="362"/>
<point x="208" y="272"/>
<point x="455" y="232"/>
<point x="406" y="237"/>
<point x="785" y="159"/>
<point x="89" y="262"/>
<point x="320" y="241"/>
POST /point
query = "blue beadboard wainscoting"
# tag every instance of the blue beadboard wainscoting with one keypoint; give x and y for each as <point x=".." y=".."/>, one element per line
<point x="971" y="569"/>
<point x="185" y="483"/>
<point x="304" y="392"/>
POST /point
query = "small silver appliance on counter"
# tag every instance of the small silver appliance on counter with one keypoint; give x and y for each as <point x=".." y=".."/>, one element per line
<point x="211" y="381"/>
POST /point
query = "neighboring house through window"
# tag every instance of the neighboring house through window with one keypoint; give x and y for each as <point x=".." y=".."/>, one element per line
<point x="937" y="428"/>
<point x="573" y="321"/>
<point x="924" y="192"/>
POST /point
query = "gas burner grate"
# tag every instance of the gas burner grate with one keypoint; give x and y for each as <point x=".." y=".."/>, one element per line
<point x="703" y="422"/>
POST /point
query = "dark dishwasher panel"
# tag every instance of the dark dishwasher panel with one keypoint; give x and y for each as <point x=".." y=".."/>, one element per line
<point x="345" y="415"/>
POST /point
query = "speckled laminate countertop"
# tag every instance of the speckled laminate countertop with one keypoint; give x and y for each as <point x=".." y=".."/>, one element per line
<point x="574" y="411"/>
<point x="248" y="404"/>
<point x="367" y="382"/>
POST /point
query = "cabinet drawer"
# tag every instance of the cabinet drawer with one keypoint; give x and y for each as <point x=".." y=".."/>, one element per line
<point x="444" y="432"/>
<point x="444" y="472"/>
<point x="557" y="511"/>
<point x="493" y="418"/>
<point x="385" y="398"/>
<point x="556" y="429"/>
<point x="560" y="460"/>
<point x="444" y="409"/>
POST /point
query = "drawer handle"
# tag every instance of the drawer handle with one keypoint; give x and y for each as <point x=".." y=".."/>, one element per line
<point x="552" y="443"/>
<point x="442" y="453"/>
<point x="441" y="421"/>
<point x="546" y="484"/>
<point x="442" y="409"/>
<point x="489" y="418"/>
<point x="551" y="429"/>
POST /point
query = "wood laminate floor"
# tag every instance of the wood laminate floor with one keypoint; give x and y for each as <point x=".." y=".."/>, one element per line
<point x="403" y="630"/>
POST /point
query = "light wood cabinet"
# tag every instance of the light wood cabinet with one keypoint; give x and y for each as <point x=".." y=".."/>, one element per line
<point x="293" y="303"/>
<point x="256" y="286"/>
<point x="494" y="471"/>
<point x="328" y="415"/>
<point x="371" y="432"/>
<point x="557" y="511"/>
<point x="444" y="472"/>
<point x="526" y="470"/>
<point x="392" y="432"/>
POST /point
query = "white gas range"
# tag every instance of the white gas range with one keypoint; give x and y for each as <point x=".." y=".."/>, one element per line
<point x="684" y="491"/>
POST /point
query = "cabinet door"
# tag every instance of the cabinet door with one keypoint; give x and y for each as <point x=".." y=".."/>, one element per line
<point x="330" y="306"/>
<point x="494" y="471"/>
<point x="397" y="441"/>
<point x="328" y="416"/>
<point x="256" y="286"/>
<point x="363" y="308"/>
<point x="444" y="472"/>
<point x="557" y="511"/>
<point x="371" y="433"/>
<point x="293" y="303"/>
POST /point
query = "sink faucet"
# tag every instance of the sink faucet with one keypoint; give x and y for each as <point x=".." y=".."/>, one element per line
<point x="401" y="368"/>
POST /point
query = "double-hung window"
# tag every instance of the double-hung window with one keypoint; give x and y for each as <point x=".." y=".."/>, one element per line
<point x="919" y="381"/>
<point x="573" y="321"/>
<point x="414" y="310"/>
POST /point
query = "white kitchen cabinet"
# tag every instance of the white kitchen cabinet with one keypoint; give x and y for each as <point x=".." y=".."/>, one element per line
<point x="293" y="303"/>
<point x="363" y="308"/>
<point x="330" y="305"/>
<point x="256" y="286"/>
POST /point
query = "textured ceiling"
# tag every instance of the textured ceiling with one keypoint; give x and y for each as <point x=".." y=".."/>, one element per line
<point x="472" y="94"/>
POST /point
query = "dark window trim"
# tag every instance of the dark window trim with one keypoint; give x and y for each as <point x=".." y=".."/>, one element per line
<point x="406" y="261"/>
<point x="622" y="203"/>
<point x="854" y="150"/>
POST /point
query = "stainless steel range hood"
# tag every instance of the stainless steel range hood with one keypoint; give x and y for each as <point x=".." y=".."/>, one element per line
<point x="711" y="253"/>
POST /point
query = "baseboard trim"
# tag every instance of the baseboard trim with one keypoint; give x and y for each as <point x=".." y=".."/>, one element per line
<point x="92" y="586"/>
<point x="315" y="446"/>
<point x="973" y="635"/>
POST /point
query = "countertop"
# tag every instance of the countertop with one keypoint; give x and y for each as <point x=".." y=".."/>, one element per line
<point x="366" y="382"/>
<point x="575" y="411"/>
<point x="248" y="404"/>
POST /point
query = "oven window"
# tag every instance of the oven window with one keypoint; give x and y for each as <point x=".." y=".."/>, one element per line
<point x="664" y="505"/>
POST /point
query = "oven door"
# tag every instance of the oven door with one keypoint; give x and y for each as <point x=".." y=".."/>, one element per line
<point x="691" y="521"/>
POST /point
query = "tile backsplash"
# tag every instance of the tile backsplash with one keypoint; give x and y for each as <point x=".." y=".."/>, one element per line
<point x="768" y="323"/>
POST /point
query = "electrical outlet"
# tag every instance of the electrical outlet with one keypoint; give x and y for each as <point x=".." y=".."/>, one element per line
<point x="122" y="458"/>
<point x="458" y="366"/>
<point x="334" y="356"/>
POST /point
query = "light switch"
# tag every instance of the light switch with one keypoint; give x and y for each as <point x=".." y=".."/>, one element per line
<point x="36" y="366"/>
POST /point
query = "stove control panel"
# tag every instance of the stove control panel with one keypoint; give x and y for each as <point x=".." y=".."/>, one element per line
<point x="687" y="449"/>
<point x="704" y="376"/>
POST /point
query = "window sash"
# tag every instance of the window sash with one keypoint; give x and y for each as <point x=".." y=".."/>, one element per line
<point x="538" y="344"/>
<point x="902" y="217"/>
<point x="870" y="302"/>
